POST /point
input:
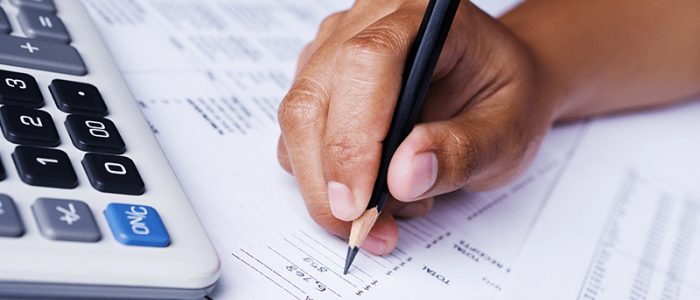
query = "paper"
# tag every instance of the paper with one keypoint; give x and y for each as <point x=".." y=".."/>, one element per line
<point x="623" y="221"/>
<point x="209" y="76"/>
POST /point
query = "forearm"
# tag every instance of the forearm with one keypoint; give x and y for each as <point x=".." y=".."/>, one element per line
<point x="601" y="56"/>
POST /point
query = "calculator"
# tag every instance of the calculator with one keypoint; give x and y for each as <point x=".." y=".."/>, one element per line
<point x="89" y="206"/>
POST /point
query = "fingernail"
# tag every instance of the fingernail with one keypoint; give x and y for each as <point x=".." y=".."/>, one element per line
<point x="374" y="245"/>
<point x="425" y="168"/>
<point x="341" y="200"/>
<point x="415" y="209"/>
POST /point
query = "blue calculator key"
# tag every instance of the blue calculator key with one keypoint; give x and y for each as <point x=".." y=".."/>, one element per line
<point x="136" y="225"/>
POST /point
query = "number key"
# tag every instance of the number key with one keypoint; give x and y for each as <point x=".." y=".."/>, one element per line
<point x="94" y="134"/>
<point x="113" y="174"/>
<point x="44" y="167"/>
<point x="19" y="89"/>
<point x="28" y="126"/>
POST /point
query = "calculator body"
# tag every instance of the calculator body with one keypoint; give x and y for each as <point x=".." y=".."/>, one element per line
<point x="44" y="261"/>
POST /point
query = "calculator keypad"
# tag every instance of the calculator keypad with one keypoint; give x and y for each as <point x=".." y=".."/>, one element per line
<point x="38" y="163"/>
<point x="65" y="220"/>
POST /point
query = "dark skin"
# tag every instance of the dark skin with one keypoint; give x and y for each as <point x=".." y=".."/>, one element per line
<point x="498" y="88"/>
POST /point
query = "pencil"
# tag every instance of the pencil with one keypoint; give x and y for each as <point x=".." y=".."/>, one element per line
<point x="420" y="65"/>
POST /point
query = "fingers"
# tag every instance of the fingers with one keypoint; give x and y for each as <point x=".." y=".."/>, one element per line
<point x="366" y="82"/>
<point x="304" y="110"/>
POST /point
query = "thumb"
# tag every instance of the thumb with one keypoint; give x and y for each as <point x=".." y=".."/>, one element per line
<point x="476" y="150"/>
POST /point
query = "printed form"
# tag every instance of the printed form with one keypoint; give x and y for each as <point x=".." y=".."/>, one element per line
<point x="209" y="76"/>
<point x="624" y="220"/>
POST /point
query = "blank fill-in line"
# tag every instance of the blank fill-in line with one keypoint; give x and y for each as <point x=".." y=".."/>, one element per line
<point x="417" y="229"/>
<point x="372" y="259"/>
<point x="263" y="274"/>
<point x="431" y="221"/>
<point x="410" y="232"/>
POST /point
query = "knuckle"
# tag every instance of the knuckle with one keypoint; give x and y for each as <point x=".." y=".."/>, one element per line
<point x="303" y="105"/>
<point x="462" y="156"/>
<point x="375" y="43"/>
<point x="343" y="152"/>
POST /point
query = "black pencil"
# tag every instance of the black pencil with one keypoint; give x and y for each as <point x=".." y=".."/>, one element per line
<point x="418" y="72"/>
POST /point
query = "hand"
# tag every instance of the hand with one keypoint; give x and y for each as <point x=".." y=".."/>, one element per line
<point x="483" y="119"/>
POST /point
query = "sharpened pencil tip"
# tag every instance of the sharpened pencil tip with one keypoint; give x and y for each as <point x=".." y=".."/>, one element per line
<point x="352" y="252"/>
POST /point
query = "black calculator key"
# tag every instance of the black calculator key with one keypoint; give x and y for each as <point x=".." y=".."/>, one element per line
<point x="44" y="167"/>
<point x="37" y="4"/>
<point x="41" y="55"/>
<point x="43" y="25"/>
<point x="76" y="97"/>
<point x="3" y="175"/>
<point x="28" y="126"/>
<point x="113" y="174"/>
<point x="4" y="23"/>
<point x="94" y="134"/>
<point x="19" y="89"/>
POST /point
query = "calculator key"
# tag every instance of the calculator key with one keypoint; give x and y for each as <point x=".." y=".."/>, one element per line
<point x="10" y="224"/>
<point x="43" y="25"/>
<point x="113" y="174"/>
<point x="19" y="89"/>
<point x="44" y="167"/>
<point x="37" y="4"/>
<point x="28" y="126"/>
<point x="65" y="220"/>
<point x="76" y="97"/>
<point x="4" y="23"/>
<point x="94" y="134"/>
<point x="3" y="175"/>
<point x="136" y="225"/>
<point x="41" y="55"/>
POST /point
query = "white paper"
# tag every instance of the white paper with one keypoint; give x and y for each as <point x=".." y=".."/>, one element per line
<point x="209" y="76"/>
<point x="623" y="221"/>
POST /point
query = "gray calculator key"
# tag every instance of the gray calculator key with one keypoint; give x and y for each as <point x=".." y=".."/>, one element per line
<point x="65" y="220"/>
<point x="4" y="23"/>
<point x="42" y="55"/>
<point x="10" y="224"/>
<point x="43" y="25"/>
<point x="37" y="4"/>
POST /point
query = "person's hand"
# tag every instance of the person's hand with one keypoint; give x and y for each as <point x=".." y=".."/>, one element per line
<point x="482" y="121"/>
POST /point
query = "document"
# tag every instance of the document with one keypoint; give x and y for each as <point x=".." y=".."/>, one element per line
<point x="209" y="76"/>
<point x="624" y="220"/>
